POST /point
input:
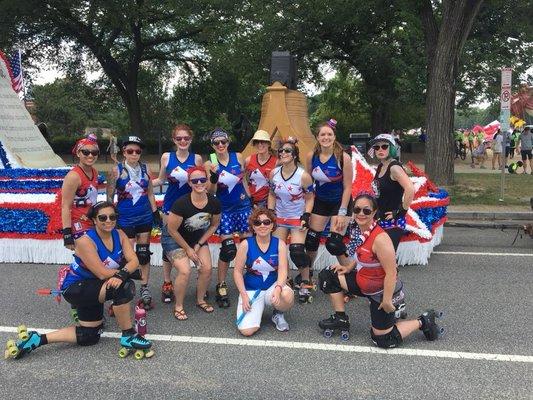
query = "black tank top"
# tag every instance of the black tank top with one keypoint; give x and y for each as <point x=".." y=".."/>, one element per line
<point x="390" y="193"/>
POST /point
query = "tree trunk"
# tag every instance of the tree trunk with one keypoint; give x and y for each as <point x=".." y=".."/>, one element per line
<point x="378" y="119"/>
<point x="134" y="111"/>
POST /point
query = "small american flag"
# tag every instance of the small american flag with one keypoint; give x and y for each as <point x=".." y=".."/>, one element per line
<point x="16" y="67"/>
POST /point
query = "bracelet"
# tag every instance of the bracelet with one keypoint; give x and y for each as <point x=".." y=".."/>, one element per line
<point x="343" y="211"/>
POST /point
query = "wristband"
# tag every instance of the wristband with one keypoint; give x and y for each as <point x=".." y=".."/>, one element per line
<point x="305" y="218"/>
<point x="213" y="178"/>
<point x="343" y="212"/>
<point x="67" y="236"/>
<point x="122" y="274"/>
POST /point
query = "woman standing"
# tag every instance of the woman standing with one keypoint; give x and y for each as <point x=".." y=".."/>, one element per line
<point x="137" y="210"/>
<point x="394" y="189"/>
<point x="291" y="196"/>
<point x="258" y="167"/>
<point x="372" y="274"/>
<point x="103" y="263"/>
<point x="226" y="174"/>
<point x="192" y="220"/>
<point x="332" y="172"/>
<point x="174" y="166"/>
<point x="264" y="282"/>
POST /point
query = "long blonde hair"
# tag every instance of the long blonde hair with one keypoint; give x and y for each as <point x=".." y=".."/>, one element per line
<point x="338" y="150"/>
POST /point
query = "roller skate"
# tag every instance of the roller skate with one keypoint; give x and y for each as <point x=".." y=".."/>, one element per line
<point x="298" y="282"/>
<point x="74" y="315"/>
<point x="221" y="296"/>
<point x="167" y="293"/>
<point x="432" y="331"/>
<point x="304" y="292"/>
<point x="137" y="344"/>
<point x="336" y="323"/>
<point x="28" y="341"/>
<point x="401" y="312"/>
<point x="146" y="298"/>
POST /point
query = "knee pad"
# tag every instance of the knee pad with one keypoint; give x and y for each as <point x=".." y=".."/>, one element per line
<point x="388" y="340"/>
<point x="86" y="336"/>
<point x="143" y="253"/>
<point x="228" y="250"/>
<point x="298" y="255"/>
<point x="335" y="244"/>
<point x="312" y="240"/>
<point x="328" y="281"/>
<point x="123" y="294"/>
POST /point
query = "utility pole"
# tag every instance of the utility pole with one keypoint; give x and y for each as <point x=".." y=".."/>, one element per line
<point x="505" y="114"/>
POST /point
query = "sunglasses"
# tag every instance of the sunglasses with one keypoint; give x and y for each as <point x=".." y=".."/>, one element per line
<point x="131" y="151"/>
<point x="259" y="222"/>
<point x="86" y="152"/>
<point x="382" y="147"/>
<point x="104" y="217"/>
<point x="182" y="139"/>
<point x="281" y="151"/>
<point x="196" y="181"/>
<point x="219" y="142"/>
<point x="366" y="211"/>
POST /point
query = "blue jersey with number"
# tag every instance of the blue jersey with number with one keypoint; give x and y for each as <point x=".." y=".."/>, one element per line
<point x="230" y="189"/>
<point x="133" y="205"/>
<point x="328" y="179"/>
<point x="178" y="181"/>
<point x="110" y="258"/>
<point x="261" y="268"/>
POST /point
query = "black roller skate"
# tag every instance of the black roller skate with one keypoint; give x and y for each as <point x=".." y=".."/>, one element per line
<point x="336" y="323"/>
<point x="221" y="296"/>
<point x="146" y="298"/>
<point x="28" y="341"/>
<point x="432" y="331"/>
<point x="167" y="293"/>
<point x="401" y="312"/>
<point x="137" y="344"/>
<point x="304" y="292"/>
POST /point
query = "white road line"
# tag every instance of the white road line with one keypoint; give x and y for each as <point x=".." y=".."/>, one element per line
<point x="315" y="346"/>
<point x="471" y="253"/>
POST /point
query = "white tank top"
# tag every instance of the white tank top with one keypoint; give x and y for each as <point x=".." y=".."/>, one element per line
<point x="290" y="202"/>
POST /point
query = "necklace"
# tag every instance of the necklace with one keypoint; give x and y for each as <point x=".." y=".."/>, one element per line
<point x="134" y="172"/>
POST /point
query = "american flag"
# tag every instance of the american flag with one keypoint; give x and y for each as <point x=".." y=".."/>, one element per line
<point x="16" y="67"/>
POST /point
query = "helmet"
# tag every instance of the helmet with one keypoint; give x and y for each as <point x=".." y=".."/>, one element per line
<point x="383" y="137"/>
<point x="133" y="140"/>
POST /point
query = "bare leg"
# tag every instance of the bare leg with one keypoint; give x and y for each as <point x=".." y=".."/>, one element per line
<point x="204" y="274"/>
<point x="182" y="264"/>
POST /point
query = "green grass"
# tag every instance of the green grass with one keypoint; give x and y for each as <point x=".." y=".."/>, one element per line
<point x="471" y="188"/>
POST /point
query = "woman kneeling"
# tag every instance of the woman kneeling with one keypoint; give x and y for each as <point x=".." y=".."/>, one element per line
<point x="264" y="282"/>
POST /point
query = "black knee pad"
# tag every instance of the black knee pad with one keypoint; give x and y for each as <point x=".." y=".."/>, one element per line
<point x="228" y="250"/>
<point x="335" y="244"/>
<point x="328" y="281"/>
<point x="86" y="336"/>
<point x="312" y="240"/>
<point x="388" y="340"/>
<point x="143" y="253"/>
<point x="298" y="255"/>
<point x="123" y="294"/>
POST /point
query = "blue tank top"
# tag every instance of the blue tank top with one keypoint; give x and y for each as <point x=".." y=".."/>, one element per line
<point x="230" y="189"/>
<point x="133" y="205"/>
<point x="177" y="179"/>
<point x="328" y="179"/>
<point x="261" y="268"/>
<point x="111" y="259"/>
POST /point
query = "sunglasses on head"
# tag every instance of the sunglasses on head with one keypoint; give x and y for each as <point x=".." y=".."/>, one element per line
<point x="105" y="217"/>
<point x="288" y="151"/>
<point x="196" y="181"/>
<point x="219" y="142"/>
<point x="86" y="152"/>
<point x="136" y="151"/>
<point x="366" y="211"/>
<point x="382" y="147"/>
<point x="259" y="222"/>
<point x="182" y="138"/>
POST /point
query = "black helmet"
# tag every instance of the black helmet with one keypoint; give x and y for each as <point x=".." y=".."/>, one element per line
<point x="133" y="140"/>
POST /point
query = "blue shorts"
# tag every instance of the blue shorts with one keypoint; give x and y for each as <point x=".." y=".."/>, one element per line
<point x="167" y="243"/>
<point x="234" y="222"/>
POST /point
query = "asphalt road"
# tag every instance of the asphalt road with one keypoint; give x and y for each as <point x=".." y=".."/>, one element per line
<point x="487" y="352"/>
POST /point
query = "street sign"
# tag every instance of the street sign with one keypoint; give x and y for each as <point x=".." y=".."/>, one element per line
<point x="505" y="114"/>
<point x="505" y="99"/>
<point x="506" y="77"/>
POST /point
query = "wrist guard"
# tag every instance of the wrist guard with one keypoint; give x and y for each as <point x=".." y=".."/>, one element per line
<point x="122" y="274"/>
<point x="213" y="178"/>
<point x="305" y="217"/>
<point x="67" y="236"/>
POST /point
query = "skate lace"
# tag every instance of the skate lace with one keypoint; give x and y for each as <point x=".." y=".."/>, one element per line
<point x="140" y="339"/>
<point x="167" y="287"/>
<point x="145" y="293"/>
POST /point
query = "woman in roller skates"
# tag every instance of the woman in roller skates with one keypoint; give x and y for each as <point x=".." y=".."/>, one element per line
<point x="226" y="174"/>
<point x="291" y="196"/>
<point x="372" y="274"/>
<point x="192" y="220"/>
<point x="332" y="172"/>
<point x="394" y="189"/>
<point x="264" y="282"/>
<point x="137" y="210"/>
<point x="174" y="166"/>
<point x="103" y="262"/>
<point x="258" y="167"/>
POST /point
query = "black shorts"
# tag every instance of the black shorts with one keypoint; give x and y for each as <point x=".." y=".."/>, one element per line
<point x="83" y="295"/>
<point x="380" y="319"/>
<point x="132" y="231"/>
<point x="329" y="209"/>
<point x="526" y="154"/>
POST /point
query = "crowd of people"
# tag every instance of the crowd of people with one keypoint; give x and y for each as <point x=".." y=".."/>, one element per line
<point x="266" y="209"/>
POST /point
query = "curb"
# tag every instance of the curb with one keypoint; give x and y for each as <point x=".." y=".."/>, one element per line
<point x="490" y="216"/>
<point x="503" y="224"/>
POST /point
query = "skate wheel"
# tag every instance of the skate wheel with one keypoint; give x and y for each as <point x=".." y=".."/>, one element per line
<point x="23" y="332"/>
<point x="403" y="315"/>
<point x="439" y="314"/>
<point x="328" y="333"/>
<point x="10" y="343"/>
<point x="6" y="354"/>
<point x="149" y="353"/>
<point x="12" y="349"/>
<point x="442" y="331"/>
<point x="139" y="354"/>
<point x="123" y="352"/>
<point x="310" y="299"/>
<point x="345" y="335"/>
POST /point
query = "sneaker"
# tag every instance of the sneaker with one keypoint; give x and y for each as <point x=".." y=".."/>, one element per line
<point x="281" y="324"/>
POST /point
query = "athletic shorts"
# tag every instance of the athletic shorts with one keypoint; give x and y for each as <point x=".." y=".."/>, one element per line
<point x="289" y="223"/>
<point x="329" y="209"/>
<point x="526" y="154"/>
<point x="169" y="245"/>
<point x="132" y="231"/>
<point x="234" y="222"/>
<point x="252" y="319"/>
<point x="83" y="295"/>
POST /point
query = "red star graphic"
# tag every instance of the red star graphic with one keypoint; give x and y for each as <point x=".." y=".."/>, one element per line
<point x="289" y="188"/>
<point x="295" y="197"/>
<point x="278" y="187"/>
<point x="223" y="173"/>
<point x="258" y="261"/>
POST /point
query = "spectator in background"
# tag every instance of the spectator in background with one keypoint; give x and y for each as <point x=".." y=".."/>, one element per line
<point x="480" y="155"/>
<point x="112" y="148"/>
<point x="526" y="146"/>
<point x="497" y="148"/>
